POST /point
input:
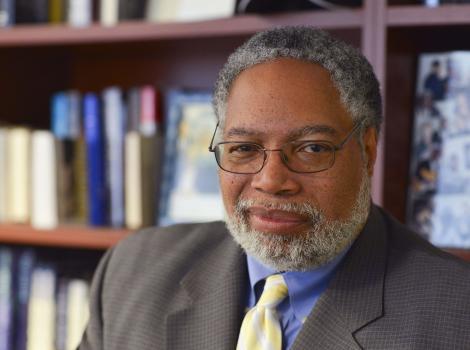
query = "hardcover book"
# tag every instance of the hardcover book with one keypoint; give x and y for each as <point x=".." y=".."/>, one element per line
<point x="438" y="197"/>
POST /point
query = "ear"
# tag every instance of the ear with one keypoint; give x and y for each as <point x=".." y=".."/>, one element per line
<point x="370" y="148"/>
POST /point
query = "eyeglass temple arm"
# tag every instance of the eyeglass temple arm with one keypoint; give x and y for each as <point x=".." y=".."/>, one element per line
<point x="211" y="148"/>
<point x="353" y="131"/>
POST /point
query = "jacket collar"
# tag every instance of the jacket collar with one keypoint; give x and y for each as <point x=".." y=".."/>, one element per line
<point x="354" y="297"/>
<point x="208" y="311"/>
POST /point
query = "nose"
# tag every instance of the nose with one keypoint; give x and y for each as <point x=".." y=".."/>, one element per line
<point x="275" y="178"/>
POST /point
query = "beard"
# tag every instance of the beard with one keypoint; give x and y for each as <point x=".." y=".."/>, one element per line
<point x="321" y="243"/>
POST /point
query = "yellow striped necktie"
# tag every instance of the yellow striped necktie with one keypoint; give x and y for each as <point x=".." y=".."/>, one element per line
<point x="261" y="329"/>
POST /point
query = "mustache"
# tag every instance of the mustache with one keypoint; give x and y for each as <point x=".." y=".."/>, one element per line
<point x="243" y="205"/>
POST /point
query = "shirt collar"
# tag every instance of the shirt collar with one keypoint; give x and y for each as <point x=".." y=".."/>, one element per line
<point x="304" y="286"/>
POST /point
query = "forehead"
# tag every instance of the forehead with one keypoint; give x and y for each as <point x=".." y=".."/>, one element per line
<point x="282" y="95"/>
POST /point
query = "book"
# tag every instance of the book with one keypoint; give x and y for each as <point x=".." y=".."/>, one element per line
<point x="133" y="177"/>
<point x="18" y="171"/>
<point x="438" y="196"/>
<point x="56" y="11"/>
<point x="114" y="138"/>
<point x="77" y="311"/>
<point x="109" y="12"/>
<point x="95" y="161"/>
<point x="6" y="305"/>
<point x="44" y="210"/>
<point x="188" y="10"/>
<point x="61" y="314"/>
<point x="31" y="11"/>
<point x="65" y="125"/>
<point x="3" y="174"/>
<point x="7" y="13"/>
<point x="190" y="187"/>
<point x="41" y="310"/>
<point x="131" y="9"/>
<point x="24" y="265"/>
<point x="79" y="13"/>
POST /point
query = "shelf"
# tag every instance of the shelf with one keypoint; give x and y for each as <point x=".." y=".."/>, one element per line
<point x="461" y="253"/>
<point x="64" y="236"/>
<point x="28" y="35"/>
<point x="416" y="16"/>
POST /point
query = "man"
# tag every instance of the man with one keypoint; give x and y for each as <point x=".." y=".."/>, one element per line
<point x="316" y="265"/>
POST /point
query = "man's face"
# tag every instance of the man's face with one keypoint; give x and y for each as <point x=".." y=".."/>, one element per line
<point x="274" y="103"/>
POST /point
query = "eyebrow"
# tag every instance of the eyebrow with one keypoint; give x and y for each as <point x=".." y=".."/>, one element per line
<point x="292" y="135"/>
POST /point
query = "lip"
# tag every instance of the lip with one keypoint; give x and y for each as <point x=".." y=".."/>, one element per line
<point x="275" y="221"/>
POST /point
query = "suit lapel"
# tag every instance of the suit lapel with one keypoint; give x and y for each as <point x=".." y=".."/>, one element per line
<point x="209" y="308"/>
<point x="354" y="297"/>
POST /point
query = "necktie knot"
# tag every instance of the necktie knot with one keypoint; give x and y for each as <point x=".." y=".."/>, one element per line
<point x="275" y="290"/>
<point x="261" y="329"/>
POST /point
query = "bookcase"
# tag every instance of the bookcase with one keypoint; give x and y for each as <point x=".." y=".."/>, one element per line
<point x="38" y="60"/>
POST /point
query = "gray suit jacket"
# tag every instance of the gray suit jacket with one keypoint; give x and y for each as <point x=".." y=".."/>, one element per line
<point x="184" y="287"/>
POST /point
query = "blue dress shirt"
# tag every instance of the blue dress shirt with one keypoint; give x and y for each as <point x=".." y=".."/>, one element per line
<point x="304" y="290"/>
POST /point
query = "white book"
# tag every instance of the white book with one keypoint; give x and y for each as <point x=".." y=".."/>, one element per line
<point x="133" y="180"/>
<point x="3" y="174"/>
<point x="109" y="12"/>
<point x="79" y="13"/>
<point x="18" y="174"/>
<point x="44" y="211"/>
<point x="189" y="10"/>
<point x="77" y="312"/>
<point x="41" y="310"/>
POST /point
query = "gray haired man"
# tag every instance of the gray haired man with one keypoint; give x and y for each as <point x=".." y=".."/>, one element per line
<point x="304" y="259"/>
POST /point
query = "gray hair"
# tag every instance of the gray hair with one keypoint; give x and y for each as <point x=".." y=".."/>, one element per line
<point x="350" y="71"/>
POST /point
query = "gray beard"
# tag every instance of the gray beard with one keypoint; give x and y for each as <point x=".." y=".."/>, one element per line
<point x="300" y="251"/>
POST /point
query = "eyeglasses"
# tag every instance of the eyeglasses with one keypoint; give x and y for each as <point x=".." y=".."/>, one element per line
<point x="309" y="156"/>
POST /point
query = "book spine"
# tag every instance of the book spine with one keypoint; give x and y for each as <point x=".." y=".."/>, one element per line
<point x="7" y="13"/>
<point x="79" y="13"/>
<point x="23" y="271"/>
<point x="95" y="155"/>
<point x="56" y="11"/>
<point x="44" y="211"/>
<point x="3" y="175"/>
<point x="114" y="126"/>
<point x="133" y="180"/>
<point x="77" y="312"/>
<point x="41" y="311"/>
<point x="109" y="12"/>
<point x="18" y="175"/>
<point x="6" y="307"/>
<point x="61" y="314"/>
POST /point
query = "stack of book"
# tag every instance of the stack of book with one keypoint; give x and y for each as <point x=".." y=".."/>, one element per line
<point x="39" y="309"/>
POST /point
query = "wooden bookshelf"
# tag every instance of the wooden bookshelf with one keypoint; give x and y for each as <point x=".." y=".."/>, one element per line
<point x="38" y="60"/>
<point x="417" y="15"/>
<point x="62" y="237"/>
<point x="34" y="35"/>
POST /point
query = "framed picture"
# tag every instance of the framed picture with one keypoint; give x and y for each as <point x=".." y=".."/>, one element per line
<point x="190" y="189"/>
<point x="439" y="191"/>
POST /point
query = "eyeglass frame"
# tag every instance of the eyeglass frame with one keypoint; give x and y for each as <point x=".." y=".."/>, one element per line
<point x="336" y="148"/>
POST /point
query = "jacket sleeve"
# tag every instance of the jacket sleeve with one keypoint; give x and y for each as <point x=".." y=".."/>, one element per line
<point x="93" y="336"/>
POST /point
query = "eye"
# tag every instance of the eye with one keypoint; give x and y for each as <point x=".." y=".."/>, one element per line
<point x="315" y="147"/>
<point x="243" y="150"/>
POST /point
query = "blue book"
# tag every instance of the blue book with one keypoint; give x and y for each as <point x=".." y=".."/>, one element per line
<point x="24" y="265"/>
<point x="6" y="296"/>
<point x="114" y="119"/>
<point x="96" y="174"/>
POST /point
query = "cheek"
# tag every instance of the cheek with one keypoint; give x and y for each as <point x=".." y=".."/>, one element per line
<point x="336" y="190"/>
<point x="231" y="186"/>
